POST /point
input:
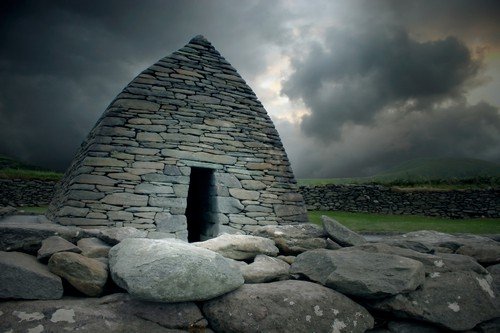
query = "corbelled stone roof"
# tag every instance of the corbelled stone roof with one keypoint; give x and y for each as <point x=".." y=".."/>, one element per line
<point x="189" y="110"/>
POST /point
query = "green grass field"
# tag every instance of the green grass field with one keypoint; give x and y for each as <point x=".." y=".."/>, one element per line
<point x="439" y="173"/>
<point x="13" y="169"/>
<point x="366" y="222"/>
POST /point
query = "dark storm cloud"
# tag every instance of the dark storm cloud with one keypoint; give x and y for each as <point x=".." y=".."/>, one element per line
<point x="62" y="62"/>
<point x="378" y="96"/>
<point x="357" y="74"/>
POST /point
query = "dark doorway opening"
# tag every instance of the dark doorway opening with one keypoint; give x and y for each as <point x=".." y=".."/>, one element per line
<point x="201" y="210"/>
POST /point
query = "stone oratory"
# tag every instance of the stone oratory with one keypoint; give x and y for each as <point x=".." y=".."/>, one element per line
<point x="185" y="149"/>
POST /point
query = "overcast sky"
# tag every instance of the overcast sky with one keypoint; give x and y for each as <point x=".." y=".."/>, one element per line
<point x="353" y="87"/>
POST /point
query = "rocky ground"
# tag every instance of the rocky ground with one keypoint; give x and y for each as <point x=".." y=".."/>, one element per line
<point x="299" y="278"/>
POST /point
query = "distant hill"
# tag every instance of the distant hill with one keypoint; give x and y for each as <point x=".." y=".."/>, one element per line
<point x="12" y="169"/>
<point x="10" y="163"/>
<point x="440" y="169"/>
<point x="437" y="170"/>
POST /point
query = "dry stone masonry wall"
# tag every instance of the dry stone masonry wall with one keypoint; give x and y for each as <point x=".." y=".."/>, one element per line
<point x="20" y="192"/>
<point x="189" y="123"/>
<point x="385" y="200"/>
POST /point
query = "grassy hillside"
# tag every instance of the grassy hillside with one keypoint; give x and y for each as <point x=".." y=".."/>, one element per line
<point x="441" y="172"/>
<point x="13" y="169"/>
<point x="442" y="168"/>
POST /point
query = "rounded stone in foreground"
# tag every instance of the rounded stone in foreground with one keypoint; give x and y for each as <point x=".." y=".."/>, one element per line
<point x="286" y="306"/>
<point x="168" y="270"/>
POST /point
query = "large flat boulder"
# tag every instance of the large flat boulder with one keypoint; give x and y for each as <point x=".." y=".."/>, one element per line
<point x="294" y="239"/>
<point x="486" y="254"/>
<point x="85" y="274"/>
<point x="240" y="247"/>
<point x="28" y="236"/>
<point x="455" y="300"/>
<point x="341" y="234"/>
<point x="286" y="306"/>
<point x="434" y="264"/>
<point x="265" y="269"/>
<point x="22" y="276"/>
<point x="168" y="270"/>
<point x="361" y="274"/>
<point x="113" y="313"/>
<point x="434" y="241"/>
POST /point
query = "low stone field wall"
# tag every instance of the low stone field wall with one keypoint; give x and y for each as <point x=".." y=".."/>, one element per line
<point x="352" y="198"/>
<point x="385" y="200"/>
<point x="18" y="192"/>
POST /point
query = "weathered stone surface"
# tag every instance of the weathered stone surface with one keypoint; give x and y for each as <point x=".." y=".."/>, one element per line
<point x="359" y="273"/>
<point x="240" y="247"/>
<point x="293" y="239"/>
<point x="487" y="254"/>
<point x="146" y="188"/>
<point x="435" y="240"/>
<point x="243" y="194"/>
<point x="24" y="277"/>
<point x="115" y="313"/>
<point x="434" y="264"/>
<point x="253" y="185"/>
<point x="85" y="274"/>
<point x="103" y="162"/>
<point x="166" y="222"/>
<point x="136" y="104"/>
<point x="114" y="236"/>
<point x="120" y="215"/>
<point x="55" y="244"/>
<point x="171" y="271"/>
<point x="93" y="247"/>
<point x="94" y="179"/>
<point x="286" y="306"/>
<point x="229" y="205"/>
<point x="456" y="300"/>
<point x="28" y="236"/>
<point x="411" y="327"/>
<point x="494" y="270"/>
<point x="265" y="269"/>
<point x="340" y="234"/>
<point x="126" y="199"/>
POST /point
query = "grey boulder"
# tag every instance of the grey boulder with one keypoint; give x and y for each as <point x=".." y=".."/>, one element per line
<point x="114" y="236"/>
<point x="22" y="276"/>
<point x="294" y="239"/>
<point x="486" y="254"/>
<point x="168" y="270"/>
<point x="340" y="234"/>
<point x="454" y="300"/>
<point x="240" y="247"/>
<point x="359" y="273"/>
<point x="113" y="313"/>
<point x="85" y="274"/>
<point x="28" y="236"/>
<point x="434" y="241"/>
<point x="94" y="247"/>
<point x="265" y="269"/>
<point x="286" y="306"/>
<point x="434" y="264"/>
<point x="53" y="245"/>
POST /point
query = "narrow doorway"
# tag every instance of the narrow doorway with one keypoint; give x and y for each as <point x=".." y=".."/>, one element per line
<point x="201" y="213"/>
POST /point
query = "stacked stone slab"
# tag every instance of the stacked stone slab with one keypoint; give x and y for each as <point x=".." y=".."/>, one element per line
<point x="189" y="110"/>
